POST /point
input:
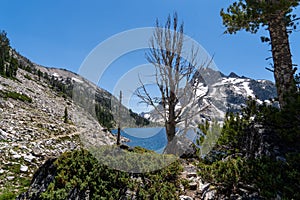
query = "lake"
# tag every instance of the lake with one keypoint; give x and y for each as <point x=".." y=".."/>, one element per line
<point x="153" y="138"/>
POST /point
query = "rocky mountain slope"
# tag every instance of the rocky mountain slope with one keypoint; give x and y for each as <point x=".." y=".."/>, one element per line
<point x="47" y="111"/>
<point x="33" y="126"/>
<point x="225" y="93"/>
<point x="40" y="118"/>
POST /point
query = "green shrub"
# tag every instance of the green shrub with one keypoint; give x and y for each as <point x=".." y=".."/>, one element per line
<point x="268" y="177"/>
<point x="230" y="166"/>
<point x="16" y="96"/>
<point x="28" y="77"/>
<point x="79" y="169"/>
<point x="7" y="195"/>
<point x="15" y="168"/>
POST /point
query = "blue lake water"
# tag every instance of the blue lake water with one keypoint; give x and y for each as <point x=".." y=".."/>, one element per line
<point x="150" y="138"/>
<point x="153" y="138"/>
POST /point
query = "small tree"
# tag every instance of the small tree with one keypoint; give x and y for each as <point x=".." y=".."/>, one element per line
<point x="178" y="101"/>
<point x="276" y="15"/>
<point x="66" y="116"/>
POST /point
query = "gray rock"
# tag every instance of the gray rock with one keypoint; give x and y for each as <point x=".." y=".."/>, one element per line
<point x="28" y="157"/>
<point x="10" y="178"/>
<point x="3" y="135"/>
<point x="281" y="158"/>
<point x="183" y="197"/>
<point x="12" y="152"/>
<point x="16" y="156"/>
<point x="2" y="102"/>
<point x="203" y="186"/>
<point x="182" y="147"/>
<point x="209" y="194"/>
<point x="24" y="168"/>
<point x="36" y="151"/>
<point x="9" y="105"/>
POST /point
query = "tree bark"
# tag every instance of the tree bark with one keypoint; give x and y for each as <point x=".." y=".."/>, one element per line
<point x="171" y="121"/>
<point x="282" y="58"/>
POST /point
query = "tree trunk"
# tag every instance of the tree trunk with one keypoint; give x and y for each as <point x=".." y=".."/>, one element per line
<point x="171" y="123"/>
<point x="170" y="130"/>
<point x="282" y="58"/>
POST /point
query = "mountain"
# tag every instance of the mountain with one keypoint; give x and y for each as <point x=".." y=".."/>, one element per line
<point x="224" y="93"/>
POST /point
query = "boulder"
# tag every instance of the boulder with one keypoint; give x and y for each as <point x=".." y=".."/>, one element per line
<point x="182" y="147"/>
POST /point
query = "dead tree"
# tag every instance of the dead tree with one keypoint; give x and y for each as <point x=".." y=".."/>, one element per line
<point x="174" y="77"/>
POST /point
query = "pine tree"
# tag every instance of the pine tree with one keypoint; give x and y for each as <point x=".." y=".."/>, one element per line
<point x="277" y="16"/>
<point x="66" y="116"/>
<point x="8" y="64"/>
<point x="4" y="52"/>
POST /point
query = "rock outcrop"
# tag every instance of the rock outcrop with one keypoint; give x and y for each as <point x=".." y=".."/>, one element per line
<point x="40" y="181"/>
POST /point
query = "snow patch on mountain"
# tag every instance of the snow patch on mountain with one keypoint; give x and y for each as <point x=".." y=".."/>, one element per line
<point x="224" y="93"/>
<point x="77" y="80"/>
<point x="249" y="92"/>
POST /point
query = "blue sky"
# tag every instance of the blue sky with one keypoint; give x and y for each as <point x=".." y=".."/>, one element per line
<point x="61" y="33"/>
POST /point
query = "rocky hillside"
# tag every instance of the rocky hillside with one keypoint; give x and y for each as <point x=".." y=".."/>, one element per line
<point x="33" y="126"/>
<point x="47" y="111"/>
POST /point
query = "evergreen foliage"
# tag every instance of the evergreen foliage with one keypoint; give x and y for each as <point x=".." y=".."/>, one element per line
<point x="7" y="195"/>
<point x="258" y="151"/>
<point x="79" y="170"/>
<point x="264" y="176"/>
<point x="139" y="121"/>
<point x="8" y="64"/>
<point x="278" y="18"/>
<point x="16" y="96"/>
<point x="250" y="15"/>
<point x="104" y="116"/>
<point x="66" y="115"/>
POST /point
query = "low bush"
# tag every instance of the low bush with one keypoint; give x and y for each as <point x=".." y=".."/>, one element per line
<point x="267" y="177"/>
<point x="80" y="170"/>
<point x="7" y="195"/>
<point x="16" y="96"/>
<point x="258" y="151"/>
